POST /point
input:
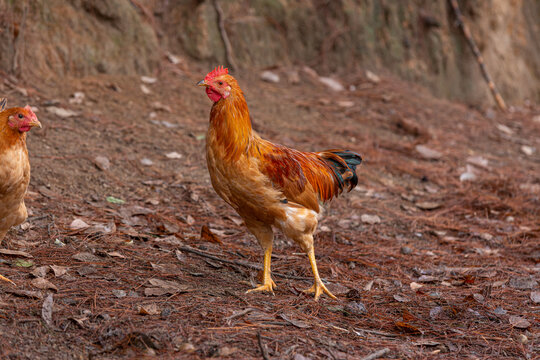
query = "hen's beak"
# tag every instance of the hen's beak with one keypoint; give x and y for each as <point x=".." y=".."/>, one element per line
<point x="35" y="123"/>
<point x="202" y="83"/>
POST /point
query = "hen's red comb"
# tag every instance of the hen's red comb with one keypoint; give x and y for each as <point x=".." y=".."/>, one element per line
<point x="30" y="111"/>
<point x="218" y="71"/>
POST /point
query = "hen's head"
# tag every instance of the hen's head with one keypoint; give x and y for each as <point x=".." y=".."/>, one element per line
<point x="219" y="84"/>
<point x="21" y="119"/>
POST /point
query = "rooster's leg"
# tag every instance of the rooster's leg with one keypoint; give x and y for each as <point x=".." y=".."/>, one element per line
<point x="265" y="236"/>
<point x="268" y="283"/>
<point x="299" y="226"/>
<point x="318" y="287"/>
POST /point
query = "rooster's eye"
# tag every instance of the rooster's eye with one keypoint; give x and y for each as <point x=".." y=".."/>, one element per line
<point x="20" y="116"/>
<point x="221" y="83"/>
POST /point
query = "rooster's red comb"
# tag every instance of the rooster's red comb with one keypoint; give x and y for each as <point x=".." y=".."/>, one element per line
<point x="218" y="71"/>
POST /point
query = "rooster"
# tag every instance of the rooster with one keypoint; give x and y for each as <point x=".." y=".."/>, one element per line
<point x="269" y="185"/>
<point x="14" y="165"/>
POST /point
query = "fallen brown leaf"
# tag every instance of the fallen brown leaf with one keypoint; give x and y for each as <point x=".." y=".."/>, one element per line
<point x="401" y="298"/>
<point x="79" y="320"/>
<point x="407" y="316"/>
<point x="15" y="253"/>
<point x="519" y="322"/>
<point x="402" y="326"/>
<point x="85" y="257"/>
<point x="41" y="283"/>
<point x="162" y="287"/>
<point x="26" y="293"/>
<point x="148" y="309"/>
<point x="298" y="323"/>
<point x="157" y="292"/>
<point x="426" y="342"/>
<point x="208" y="235"/>
<point x="58" y="270"/>
<point x="47" y="310"/>
<point x="40" y="271"/>
<point x="116" y="254"/>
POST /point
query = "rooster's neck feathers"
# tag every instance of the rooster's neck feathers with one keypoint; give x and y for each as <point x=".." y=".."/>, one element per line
<point x="230" y="124"/>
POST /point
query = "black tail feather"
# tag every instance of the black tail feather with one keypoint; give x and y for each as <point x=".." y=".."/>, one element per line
<point x="344" y="165"/>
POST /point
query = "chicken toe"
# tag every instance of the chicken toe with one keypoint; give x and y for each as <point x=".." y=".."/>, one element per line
<point x="318" y="288"/>
<point x="3" y="278"/>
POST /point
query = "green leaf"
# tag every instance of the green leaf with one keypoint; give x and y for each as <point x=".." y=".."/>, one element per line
<point x="200" y="136"/>
<point x="114" y="200"/>
<point x="23" y="263"/>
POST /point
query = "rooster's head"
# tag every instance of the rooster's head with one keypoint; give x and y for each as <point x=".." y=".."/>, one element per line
<point x="219" y="84"/>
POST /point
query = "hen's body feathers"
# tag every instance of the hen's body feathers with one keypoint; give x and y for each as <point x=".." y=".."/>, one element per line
<point x="14" y="180"/>
<point x="14" y="170"/>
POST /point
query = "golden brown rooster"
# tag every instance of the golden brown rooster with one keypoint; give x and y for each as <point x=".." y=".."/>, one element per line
<point x="14" y="165"/>
<point x="270" y="186"/>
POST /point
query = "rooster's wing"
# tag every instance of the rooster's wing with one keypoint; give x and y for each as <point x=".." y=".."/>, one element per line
<point x="303" y="177"/>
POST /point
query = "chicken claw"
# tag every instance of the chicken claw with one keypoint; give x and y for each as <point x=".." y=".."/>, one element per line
<point x="267" y="286"/>
<point x="318" y="288"/>
<point x="6" y="279"/>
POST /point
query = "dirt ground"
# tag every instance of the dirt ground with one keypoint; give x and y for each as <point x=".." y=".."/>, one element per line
<point x="448" y="269"/>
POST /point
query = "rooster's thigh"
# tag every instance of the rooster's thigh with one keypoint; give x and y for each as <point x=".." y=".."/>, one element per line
<point x="299" y="225"/>
<point x="263" y="232"/>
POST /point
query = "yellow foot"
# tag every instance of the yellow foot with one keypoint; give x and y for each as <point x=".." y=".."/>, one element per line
<point x="318" y="288"/>
<point x="6" y="279"/>
<point x="269" y="286"/>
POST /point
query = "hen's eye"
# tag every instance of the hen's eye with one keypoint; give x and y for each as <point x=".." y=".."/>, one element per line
<point x="220" y="83"/>
<point x="20" y="116"/>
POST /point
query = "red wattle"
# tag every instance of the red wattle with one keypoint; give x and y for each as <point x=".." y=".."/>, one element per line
<point x="213" y="95"/>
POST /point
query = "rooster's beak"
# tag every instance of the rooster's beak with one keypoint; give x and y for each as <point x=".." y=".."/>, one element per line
<point x="35" y="123"/>
<point x="202" y="83"/>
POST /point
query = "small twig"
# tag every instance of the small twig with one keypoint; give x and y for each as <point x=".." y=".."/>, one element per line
<point x="240" y="263"/>
<point x="18" y="63"/>
<point x="239" y="313"/>
<point x="264" y="352"/>
<point x="466" y="32"/>
<point x="230" y="293"/>
<point x="374" y="332"/>
<point x="20" y="321"/>
<point x="36" y="218"/>
<point x="376" y="354"/>
<point x="49" y="226"/>
<point x="224" y="37"/>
